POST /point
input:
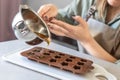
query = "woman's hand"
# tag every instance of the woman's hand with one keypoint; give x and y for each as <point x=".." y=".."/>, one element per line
<point x="48" y="11"/>
<point x="82" y="34"/>
<point x="79" y="32"/>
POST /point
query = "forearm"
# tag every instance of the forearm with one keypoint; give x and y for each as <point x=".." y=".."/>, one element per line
<point x="96" y="50"/>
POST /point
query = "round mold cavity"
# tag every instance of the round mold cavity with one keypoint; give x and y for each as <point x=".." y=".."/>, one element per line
<point x="64" y="64"/>
<point x="80" y="63"/>
<point x="76" y="67"/>
<point x="69" y="60"/>
<point x="57" y="56"/>
<point x="52" y="60"/>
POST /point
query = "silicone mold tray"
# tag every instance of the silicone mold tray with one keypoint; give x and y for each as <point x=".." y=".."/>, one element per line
<point x="60" y="60"/>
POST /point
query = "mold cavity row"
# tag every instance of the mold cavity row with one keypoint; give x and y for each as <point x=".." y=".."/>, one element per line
<point x="66" y="64"/>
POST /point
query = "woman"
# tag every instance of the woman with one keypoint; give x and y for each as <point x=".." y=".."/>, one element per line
<point x="68" y="22"/>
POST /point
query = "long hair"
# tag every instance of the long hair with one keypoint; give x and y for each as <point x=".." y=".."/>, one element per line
<point x="101" y="6"/>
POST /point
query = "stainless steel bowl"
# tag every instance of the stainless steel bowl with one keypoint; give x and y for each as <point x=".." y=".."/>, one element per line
<point x="28" y="26"/>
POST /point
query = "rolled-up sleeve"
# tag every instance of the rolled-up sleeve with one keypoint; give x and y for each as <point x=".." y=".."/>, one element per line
<point x="77" y="7"/>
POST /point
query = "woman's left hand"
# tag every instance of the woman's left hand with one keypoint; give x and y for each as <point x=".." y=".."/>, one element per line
<point x="79" y="32"/>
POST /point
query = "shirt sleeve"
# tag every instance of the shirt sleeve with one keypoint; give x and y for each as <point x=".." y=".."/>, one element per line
<point x="76" y="7"/>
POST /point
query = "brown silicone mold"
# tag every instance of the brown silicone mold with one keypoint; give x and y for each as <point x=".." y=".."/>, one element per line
<point x="58" y="59"/>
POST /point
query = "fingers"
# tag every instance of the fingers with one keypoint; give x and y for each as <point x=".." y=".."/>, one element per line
<point x="62" y="24"/>
<point x="80" y="21"/>
<point x="48" y="11"/>
<point x="57" y="33"/>
<point x="52" y="12"/>
<point x="57" y="29"/>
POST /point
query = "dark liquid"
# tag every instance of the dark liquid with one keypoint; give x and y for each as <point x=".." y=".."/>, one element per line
<point x="43" y="37"/>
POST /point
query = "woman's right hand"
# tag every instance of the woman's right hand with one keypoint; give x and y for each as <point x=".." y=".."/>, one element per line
<point x="48" y="11"/>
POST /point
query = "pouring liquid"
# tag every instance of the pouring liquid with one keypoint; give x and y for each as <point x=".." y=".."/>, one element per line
<point x="46" y="39"/>
<point x="36" y="24"/>
<point x="39" y="30"/>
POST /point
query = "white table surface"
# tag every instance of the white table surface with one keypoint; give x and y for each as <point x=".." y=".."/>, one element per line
<point x="10" y="71"/>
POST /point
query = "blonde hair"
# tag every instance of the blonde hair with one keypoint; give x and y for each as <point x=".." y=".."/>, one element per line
<point x="101" y="6"/>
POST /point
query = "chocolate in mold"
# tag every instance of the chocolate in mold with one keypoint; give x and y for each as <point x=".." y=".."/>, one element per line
<point x="60" y="60"/>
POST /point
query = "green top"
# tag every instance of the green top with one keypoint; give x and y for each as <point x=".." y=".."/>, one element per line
<point x="80" y="7"/>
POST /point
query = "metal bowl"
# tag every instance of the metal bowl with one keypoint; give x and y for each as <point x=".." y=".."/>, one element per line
<point x="28" y="26"/>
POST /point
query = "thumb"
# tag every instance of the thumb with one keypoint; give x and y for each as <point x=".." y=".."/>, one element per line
<point x="80" y="20"/>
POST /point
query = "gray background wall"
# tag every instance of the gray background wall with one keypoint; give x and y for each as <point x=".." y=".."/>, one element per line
<point x="35" y="4"/>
